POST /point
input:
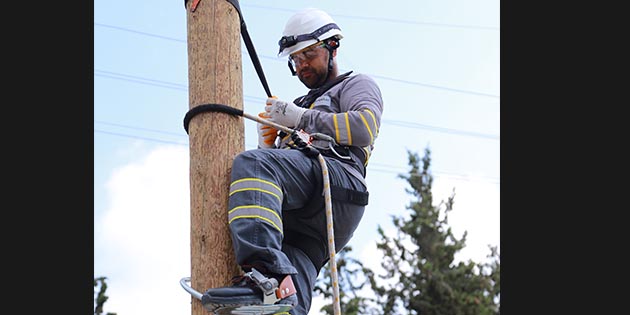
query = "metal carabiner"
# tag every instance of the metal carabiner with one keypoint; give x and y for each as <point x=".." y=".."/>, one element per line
<point x="331" y="144"/>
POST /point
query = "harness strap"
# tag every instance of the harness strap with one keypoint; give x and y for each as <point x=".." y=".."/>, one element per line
<point x="306" y="100"/>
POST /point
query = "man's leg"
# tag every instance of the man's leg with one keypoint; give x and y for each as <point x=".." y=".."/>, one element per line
<point x="304" y="279"/>
<point x="264" y="182"/>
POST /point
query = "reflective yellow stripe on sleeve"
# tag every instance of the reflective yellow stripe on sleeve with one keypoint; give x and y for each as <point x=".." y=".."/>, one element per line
<point x="367" y="126"/>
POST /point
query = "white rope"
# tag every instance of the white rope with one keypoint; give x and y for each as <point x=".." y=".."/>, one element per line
<point x="331" y="236"/>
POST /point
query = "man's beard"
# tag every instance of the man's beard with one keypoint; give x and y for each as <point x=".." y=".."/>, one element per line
<point x="316" y="80"/>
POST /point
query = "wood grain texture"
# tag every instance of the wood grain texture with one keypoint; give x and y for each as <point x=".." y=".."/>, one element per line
<point x="214" y="77"/>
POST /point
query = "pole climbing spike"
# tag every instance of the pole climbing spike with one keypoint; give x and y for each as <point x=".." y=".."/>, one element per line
<point x="253" y="310"/>
<point x="260" y="309"/>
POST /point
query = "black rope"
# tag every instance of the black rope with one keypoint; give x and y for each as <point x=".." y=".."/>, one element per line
<point x="209" y="108"/>
<point x="250" y="47"/>
<point x="298" y="142"/>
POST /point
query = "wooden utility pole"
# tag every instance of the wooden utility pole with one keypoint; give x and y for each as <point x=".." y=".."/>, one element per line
<point x="214" y="77"/>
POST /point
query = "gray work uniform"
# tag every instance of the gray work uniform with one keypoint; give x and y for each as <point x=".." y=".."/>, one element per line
<point x="277" y="214"/>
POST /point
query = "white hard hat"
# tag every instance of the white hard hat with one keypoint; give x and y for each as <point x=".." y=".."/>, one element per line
<point x="306" y="28"/>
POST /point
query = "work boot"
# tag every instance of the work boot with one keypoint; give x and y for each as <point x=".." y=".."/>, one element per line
<point x="253" y="288"/>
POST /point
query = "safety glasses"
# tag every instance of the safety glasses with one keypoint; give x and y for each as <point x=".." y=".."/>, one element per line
<point x="306" y="54"/>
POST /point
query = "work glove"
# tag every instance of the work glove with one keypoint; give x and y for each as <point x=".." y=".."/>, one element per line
<point x="283" y="113"/>
<point x="266" y="134"/>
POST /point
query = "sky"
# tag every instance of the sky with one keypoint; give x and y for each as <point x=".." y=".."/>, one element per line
<point x="437" y="64"/>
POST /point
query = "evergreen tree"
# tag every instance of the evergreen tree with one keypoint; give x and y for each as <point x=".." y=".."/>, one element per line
<point x="351" y="276"/>
<point x="101" y="298"/>
<point x="420" y="274"/>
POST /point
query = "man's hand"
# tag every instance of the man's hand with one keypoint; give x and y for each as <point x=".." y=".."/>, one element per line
<point x="283" y="113"/>
<point x="266" y="134"/>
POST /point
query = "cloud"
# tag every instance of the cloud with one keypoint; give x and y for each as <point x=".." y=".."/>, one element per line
<point x="476" y="210"/>
<point x="145" y="235"/>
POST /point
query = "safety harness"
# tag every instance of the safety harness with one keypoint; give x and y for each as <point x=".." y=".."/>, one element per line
<point x="345" y="154"/>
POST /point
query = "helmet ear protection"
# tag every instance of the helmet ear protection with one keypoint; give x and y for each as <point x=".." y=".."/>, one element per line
<point x="331" y="43"/>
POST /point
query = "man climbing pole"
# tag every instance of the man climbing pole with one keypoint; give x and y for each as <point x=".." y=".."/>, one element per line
<point x="276" y="204"/>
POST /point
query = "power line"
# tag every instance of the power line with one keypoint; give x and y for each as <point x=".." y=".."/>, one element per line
<point x="141" y="80"/>
<point x="374" y="75"/>
<point x="438" y="129"/>
<point x="138" y="137"/>
<point x="382" y="19"/>
<point x="434" y="86"/>
<point x="182" y="87"/>
<point x="139" y="128"/>
<point x="404" y="171"/>
<point x="383" y="167"/>
<point x="139" y="32"/>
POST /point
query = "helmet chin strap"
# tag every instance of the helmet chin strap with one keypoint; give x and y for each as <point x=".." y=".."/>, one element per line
<point x="328" y="70"/>
<point x="331" y="44"/>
